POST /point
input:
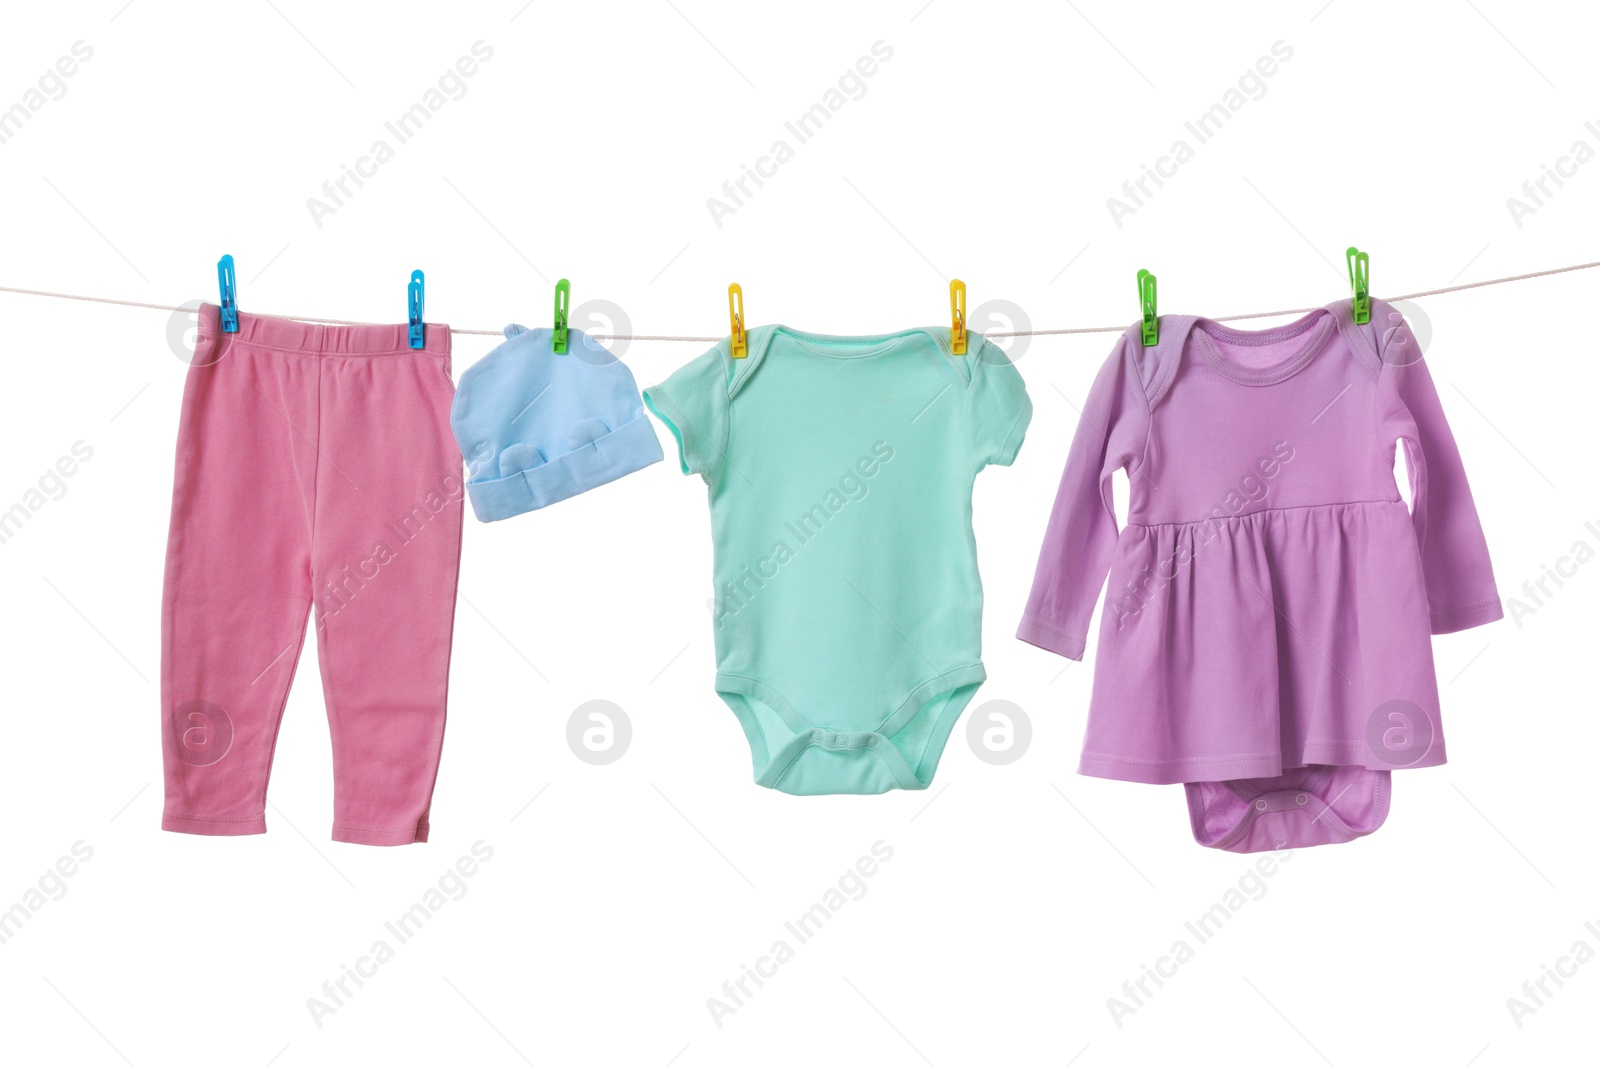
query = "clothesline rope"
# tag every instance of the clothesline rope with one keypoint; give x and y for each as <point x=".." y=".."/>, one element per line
<point x="713" y="340"/>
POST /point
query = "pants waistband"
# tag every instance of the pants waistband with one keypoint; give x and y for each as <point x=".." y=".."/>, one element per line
<point x="314" y="339"/>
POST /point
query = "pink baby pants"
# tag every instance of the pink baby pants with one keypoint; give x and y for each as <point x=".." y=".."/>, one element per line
<point x="315" y="466"/>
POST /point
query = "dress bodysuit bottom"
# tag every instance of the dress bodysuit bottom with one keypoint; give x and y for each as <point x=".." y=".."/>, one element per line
<point x="1314" y="805"/>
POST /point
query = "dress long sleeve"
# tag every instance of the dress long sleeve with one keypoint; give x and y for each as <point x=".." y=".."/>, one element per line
<point x="1455" y="556"/>
<point x="1082" y="532"/>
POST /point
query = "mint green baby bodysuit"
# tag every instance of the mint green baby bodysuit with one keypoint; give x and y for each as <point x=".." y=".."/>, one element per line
<point x="847" y="605"/>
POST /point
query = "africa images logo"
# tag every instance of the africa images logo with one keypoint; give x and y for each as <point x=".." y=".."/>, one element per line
<point x="202" y="732"/>
<point x="1400" y="733"/>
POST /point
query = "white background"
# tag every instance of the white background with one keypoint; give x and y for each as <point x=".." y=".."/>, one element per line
<point x="1019" y="898"/>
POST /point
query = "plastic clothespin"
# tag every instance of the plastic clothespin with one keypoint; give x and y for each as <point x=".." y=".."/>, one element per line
<point x="1149" y="325"/>
<point x="1358" y="263"/>
<point x="230" y="295"/>
<point x="414" y="303"/>
<point x="558" y="339"/>
<point x="958" y="317"/>
<point x="736" y="335"/>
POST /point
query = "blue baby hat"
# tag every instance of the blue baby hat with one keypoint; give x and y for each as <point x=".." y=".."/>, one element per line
<point x="536" y="426"/>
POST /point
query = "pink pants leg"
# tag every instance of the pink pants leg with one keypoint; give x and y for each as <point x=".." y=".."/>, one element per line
<point x="315" y="466"/>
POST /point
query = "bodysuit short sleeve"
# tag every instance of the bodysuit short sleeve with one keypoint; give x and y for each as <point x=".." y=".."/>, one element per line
<point x="693" y="403"/>
<point x="999" y="403"/>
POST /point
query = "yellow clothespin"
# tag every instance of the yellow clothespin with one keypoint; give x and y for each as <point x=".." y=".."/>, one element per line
<point x="958" y="317"/>
<point x="736" y="320"/>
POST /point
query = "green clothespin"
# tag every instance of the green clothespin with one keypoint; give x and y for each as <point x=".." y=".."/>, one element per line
<point x="1149" y="330"/>
<point x="558" y="342"/>
<point x="1357" y="262"/>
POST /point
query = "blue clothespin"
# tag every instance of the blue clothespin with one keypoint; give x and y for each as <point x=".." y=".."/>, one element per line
<point x="414" y="299"/>
<point x="230" y="295"/>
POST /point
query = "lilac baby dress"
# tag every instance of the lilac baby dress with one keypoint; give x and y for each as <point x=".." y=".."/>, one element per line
<point x="1265" y="638"/>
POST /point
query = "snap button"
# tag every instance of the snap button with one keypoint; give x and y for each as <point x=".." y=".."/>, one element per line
<point x="816" y="735"/>
<point x="1261" y="805"/>
<point x="1300" y="798"/>
<point x="841" y="740"/>
<point x="872" y="739"/>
